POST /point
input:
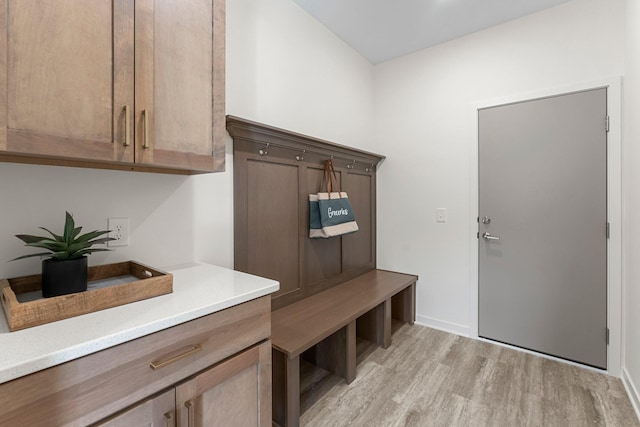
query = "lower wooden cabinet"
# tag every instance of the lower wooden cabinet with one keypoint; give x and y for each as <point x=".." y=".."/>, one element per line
<point x="213" y="370"/>
<point x="235" y="392"/>
<point x="159" y="411"/>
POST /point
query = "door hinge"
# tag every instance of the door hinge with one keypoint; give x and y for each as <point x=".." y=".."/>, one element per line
<point x="607" y="336"/>
<point x="478" y="235"/>
<point x="608" y="231"/>
<point x="606" y="123"/>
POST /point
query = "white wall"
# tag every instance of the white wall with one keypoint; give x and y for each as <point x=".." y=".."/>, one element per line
<point x="283" y="68"/>
<point x="160" y="209"/>
<point x="424" y="126"/>
<point x="287" y="70"/>
<point x="631" y="214"/>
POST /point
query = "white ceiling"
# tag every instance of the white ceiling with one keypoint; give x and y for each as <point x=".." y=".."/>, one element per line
<point x="385" y="29"/>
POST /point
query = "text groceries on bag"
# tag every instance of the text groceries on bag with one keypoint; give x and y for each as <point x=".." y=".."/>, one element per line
<point x="339" y="212"/>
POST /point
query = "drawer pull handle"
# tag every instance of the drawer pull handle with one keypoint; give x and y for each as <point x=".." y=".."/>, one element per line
<point x="190" y="413"/>
<point x="161" y="364"/>
<point x="145" y="129"/>
<point x="127" y="126"/>
<point x="168" y="418"/>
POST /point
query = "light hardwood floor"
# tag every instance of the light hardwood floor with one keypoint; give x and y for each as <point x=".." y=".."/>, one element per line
<point x="432" y="378"/>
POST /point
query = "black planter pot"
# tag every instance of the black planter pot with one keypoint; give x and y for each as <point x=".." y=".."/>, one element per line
<point x="64" y="277"/>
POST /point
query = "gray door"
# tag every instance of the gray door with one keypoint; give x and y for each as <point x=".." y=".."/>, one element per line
<point x="543" y="194"/>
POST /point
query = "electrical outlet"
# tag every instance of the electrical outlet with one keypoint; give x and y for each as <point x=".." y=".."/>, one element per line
<point x="119" y="230"/>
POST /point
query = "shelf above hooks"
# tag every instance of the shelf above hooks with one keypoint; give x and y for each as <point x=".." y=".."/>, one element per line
<point x="270" y="141"/>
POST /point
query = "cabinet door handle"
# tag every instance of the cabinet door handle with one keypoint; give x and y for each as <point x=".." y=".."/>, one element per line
<point x="127" y="126"/>
<point x="169" y="419"/>
<point x="191" y="416"/>
<point x="145" y="129"/>
<point x="157" y="364"/>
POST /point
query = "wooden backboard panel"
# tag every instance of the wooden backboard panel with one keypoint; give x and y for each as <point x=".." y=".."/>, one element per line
<point x="272" y="223"/>
<point x="274" y="173"/>
<point x="359" y="247"/>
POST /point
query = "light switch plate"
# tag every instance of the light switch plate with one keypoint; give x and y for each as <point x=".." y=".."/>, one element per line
<point x="441" y="215"/>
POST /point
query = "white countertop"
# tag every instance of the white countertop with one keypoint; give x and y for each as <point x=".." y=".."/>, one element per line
<point x="198" y="289"/>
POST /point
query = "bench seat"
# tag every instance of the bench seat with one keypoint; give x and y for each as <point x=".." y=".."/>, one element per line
<point x="325" y="325"/>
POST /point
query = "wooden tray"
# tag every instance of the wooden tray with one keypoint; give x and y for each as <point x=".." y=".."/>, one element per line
<point x="110" y="285"/>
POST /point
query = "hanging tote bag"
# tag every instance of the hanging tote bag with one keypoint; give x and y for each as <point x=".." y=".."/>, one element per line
<point x="315" y="225"/>
<point x="336" y="216"/>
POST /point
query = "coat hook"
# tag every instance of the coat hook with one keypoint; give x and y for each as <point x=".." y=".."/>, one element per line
<point x="263" y="151"/>
<point x="300" y="157"/>
<point x="351" y="165"/>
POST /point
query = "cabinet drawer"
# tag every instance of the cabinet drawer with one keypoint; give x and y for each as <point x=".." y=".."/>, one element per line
<point x="88" y="389"/>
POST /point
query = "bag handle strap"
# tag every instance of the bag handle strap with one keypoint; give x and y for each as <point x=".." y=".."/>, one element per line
<point x="334" y="175"/>
<point x="328" y="171"/>
<point x="326" y="179"/>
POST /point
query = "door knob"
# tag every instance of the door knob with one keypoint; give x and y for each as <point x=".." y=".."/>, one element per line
<point x="488" y="236"/>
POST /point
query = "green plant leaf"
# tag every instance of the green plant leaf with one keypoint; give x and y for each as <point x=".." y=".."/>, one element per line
<point x="61" y="256"/>
<point x="90" y="251"/>
<point x="70" y="245"/>
<point x="50" y="245"/>
<point x="57" y="237"/>
<point x="28" y="238"/>
<point x="102" y="240"/>
<point x="31" y="255"/>
<point x="92" y="235"/>
<point x="75" y="247"/>
<point x="69" y="227"/>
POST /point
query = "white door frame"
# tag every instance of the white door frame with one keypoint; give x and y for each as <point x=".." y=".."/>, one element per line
<point x="614" y="208"/>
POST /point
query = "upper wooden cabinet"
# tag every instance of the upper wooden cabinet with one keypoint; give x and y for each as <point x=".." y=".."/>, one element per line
<point x="180" y="83"/>
<point x="117" y="84"/>
<point x="65" y="84"/>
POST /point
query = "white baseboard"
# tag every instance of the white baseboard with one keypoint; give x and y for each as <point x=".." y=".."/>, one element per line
<point x="632" y="391"/>
<point x="454" y="328"/>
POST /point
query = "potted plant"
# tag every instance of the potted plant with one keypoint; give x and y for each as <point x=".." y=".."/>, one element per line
<point x="65" y="269"/>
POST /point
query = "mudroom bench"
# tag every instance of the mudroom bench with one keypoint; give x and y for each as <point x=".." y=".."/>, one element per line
<point x="324" y="327"/>
<point x="330" y="289"/>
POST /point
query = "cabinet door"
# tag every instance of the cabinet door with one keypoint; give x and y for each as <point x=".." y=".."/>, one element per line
<point x="155" y="412"/>
<point x="237" y="392"/>
<point x="66" y="72"/>
<point x="180" y="84"/>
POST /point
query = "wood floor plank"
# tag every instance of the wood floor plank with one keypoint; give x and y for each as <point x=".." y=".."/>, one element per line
<point x="431" y="378"/>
